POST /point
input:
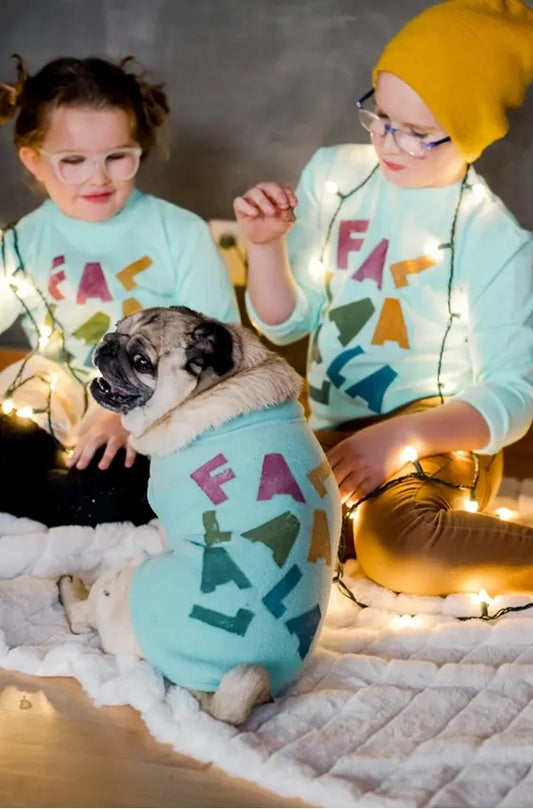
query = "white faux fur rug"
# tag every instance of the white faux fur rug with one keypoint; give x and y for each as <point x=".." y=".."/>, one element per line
<point x="392" y="710"/>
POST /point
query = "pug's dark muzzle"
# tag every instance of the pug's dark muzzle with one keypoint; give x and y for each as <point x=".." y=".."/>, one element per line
<point x="112" y="398"/>
<point x="117" y="389"/>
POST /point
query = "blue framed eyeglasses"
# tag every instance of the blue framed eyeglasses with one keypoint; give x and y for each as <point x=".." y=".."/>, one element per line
<point x="408" y="142"/>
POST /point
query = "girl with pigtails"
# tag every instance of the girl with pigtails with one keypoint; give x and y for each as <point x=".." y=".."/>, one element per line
<point x="96" y="250"/>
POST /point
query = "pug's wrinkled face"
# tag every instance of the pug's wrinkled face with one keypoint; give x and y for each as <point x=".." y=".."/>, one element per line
<point x="159" y="357"/>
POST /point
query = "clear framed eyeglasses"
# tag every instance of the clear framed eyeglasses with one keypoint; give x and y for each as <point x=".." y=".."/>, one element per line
<point x="75" y="168"/>
<point x="409" y="142"/>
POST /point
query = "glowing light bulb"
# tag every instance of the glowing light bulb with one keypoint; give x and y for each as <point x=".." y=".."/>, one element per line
<point x="409" y="454"/>
<point x="331" y="187"/>
<point x="472" y="506"/>
<point x="354" y="516"/>
<point x="505" y="513"/>
<point x="43" y="340"/>
<point x="22" y="287"/>
<point x="317" y="269"/>
<point x="25" y="412"/>
<point x="478" y="190"/>
<point x="460" y="306"/>
<point x="400" y="621"/>
<point x="7" y="406"/>
<point x="484" y="600"/>
<point x="433" y="249"/>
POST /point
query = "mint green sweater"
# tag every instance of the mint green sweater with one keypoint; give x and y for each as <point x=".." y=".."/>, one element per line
<point x="151" y="253"/>
<point x="376" y="334"/>
<point x="251" y="514"/>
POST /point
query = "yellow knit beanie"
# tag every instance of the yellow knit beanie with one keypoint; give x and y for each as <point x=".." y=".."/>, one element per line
<point x="470" y="61"/>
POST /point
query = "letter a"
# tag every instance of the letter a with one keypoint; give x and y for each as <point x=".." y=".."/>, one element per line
<point x="372" y="267"/>
<point x="93" y="283"/>
<point x="391" y="325"/>
<point x="277" y="478"/>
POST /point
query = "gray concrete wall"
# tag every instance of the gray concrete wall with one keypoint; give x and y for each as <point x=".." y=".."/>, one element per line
<point x="255" y="86"/>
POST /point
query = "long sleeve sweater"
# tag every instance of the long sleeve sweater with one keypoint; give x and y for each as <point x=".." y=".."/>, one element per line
<point x="76" y="279"/>
<point x="378" y="311"/>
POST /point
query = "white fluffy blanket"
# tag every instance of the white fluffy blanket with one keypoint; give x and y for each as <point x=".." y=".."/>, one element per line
<point x="391" y="710"/>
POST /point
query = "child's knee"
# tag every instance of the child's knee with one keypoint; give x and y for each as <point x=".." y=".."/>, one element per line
<point x="393" y="542"/>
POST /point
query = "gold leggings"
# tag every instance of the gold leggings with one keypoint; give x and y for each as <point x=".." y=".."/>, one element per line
<point x="417" y="538"/>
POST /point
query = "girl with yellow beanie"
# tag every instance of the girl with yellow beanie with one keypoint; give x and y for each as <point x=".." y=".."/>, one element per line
<point x="415" y="285"/>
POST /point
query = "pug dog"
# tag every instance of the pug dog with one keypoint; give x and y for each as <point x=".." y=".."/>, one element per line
<point x="251" y="512"/>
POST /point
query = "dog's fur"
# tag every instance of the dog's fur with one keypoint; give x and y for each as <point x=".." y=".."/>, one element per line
<point x="173" y="374"/>
<point x="203" y="375"/>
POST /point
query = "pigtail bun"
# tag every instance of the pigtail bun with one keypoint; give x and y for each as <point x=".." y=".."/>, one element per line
<point x="10" y="94"/>
<point x="153" y="97"/>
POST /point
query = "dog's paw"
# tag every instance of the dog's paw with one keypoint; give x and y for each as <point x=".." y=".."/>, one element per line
<point x="240" y="690"/>
<point x="59" y="582"/>
<point x="73" y="596"/>
<point x="72" y="587"/>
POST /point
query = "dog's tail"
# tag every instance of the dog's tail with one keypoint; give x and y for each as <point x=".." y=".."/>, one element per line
<point x="239" y="691"/>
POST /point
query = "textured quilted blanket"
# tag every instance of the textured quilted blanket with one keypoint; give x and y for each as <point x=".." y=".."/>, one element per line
<point x="401" y="704"/>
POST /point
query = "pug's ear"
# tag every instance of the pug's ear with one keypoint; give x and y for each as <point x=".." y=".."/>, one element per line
<point x="211" y="346"/>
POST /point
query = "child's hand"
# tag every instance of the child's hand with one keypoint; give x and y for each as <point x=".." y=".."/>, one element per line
<point x="366" y="459"/>
<point x="265" y="212"/>
<point x="106" y="430"/>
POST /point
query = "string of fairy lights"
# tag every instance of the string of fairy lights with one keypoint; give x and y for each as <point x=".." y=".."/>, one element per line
<point x="49" y="333"/>
<point x="319" y="269"/>
<point x="408" y="619"/>
<point x="482" y="598"/>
